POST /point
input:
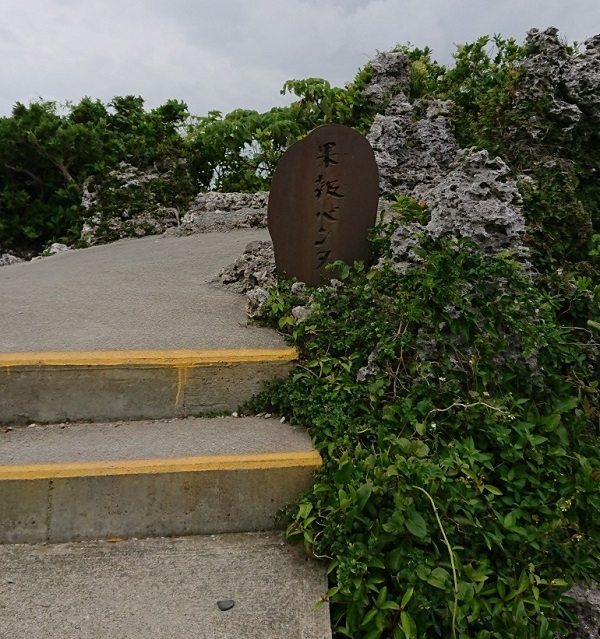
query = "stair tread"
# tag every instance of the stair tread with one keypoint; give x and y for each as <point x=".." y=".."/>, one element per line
<point x="162" y="588"/>
<point x="166" y="439"/>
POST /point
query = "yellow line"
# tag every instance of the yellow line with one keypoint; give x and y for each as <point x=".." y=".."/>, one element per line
<point x="148" y="358"/>
<point x="262" y="461"/>
<point x="182" y="373"/>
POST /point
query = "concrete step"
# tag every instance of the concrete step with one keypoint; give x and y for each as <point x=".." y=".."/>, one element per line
<point x="137" y="329"/>
<point x="163" y="589"/>
<point x="112" y="385"/>
<point x="71" y="482"/>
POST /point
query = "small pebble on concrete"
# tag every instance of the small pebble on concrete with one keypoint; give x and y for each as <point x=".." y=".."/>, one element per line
<point x="226" y="604"/>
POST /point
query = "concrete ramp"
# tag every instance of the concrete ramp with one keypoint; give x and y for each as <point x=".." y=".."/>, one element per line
<point x="152" y="293"/>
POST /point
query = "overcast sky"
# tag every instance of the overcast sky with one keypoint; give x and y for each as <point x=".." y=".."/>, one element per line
<point x="226" y="54"/>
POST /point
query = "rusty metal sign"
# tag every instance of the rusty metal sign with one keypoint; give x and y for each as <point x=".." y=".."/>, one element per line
<point x="322" y="203"/>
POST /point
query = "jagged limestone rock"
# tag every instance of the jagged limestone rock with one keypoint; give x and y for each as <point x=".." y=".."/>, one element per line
<point x="405" y="239"/>
<point x="371" y="369"/>
<point x="389" y="75"/>
<point x="413" y="141"/>
<point x="581" y="80"/>
<point x="587" y="611"/>
<point x="127" y="205"/>
<point x="53" y="249"/>
<point x="413" y="144"/>
<point x="56" y="248"/>
<point x="300" y="313"/>
<point x="565" y="83"/>
<point x="256" y="299"/>
<point x="224" y="211"/>
<point x="255" y="267"/>
<point x="477" y="199"/>
<point x="7" y="259"/>
<point x="541" y="83"/>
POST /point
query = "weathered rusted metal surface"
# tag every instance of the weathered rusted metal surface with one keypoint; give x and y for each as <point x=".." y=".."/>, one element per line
<point x="323" y="201"/>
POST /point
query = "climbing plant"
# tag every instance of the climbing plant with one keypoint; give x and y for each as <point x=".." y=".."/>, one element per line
<point x="457" y="418"/>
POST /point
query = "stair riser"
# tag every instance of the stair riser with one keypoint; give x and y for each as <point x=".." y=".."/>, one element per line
<point x="147" y="505"/>
<point x="59" y="393"/>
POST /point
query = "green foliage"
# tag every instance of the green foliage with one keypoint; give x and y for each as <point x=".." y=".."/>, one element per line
<point x="557" y="217"/>
<point x="460" y="492"/>
<point x="239" y="151"/>
<point x="40" y="158"/>
<point x="46" y="156"/>
<point x="482" y="84"/>
<point x="425" y="73"/>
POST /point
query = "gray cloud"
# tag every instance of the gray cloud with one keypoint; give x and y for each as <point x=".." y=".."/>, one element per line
<point x="224" y="54"/>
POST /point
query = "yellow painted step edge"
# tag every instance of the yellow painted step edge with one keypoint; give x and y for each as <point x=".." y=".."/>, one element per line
<point x="148" y="358"/>
<point x="263" y="461"/>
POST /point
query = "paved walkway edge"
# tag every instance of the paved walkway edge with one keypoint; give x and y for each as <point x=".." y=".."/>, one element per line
<point x="184" y="358"/>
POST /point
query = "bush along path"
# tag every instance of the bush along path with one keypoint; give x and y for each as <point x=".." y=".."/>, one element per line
<point x="457" y="417"/>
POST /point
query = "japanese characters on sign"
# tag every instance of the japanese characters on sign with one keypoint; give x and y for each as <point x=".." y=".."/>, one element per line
<point x="322" y="203"/>
<point x="327" y="191"/>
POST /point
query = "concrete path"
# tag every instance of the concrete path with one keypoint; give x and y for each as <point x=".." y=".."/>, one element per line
<point x="138" y="330"/>
<point x="153" y="293"/>
<point x="163" y="589"/>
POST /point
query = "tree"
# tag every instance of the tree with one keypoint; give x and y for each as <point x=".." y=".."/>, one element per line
<point x="46" y="156"/>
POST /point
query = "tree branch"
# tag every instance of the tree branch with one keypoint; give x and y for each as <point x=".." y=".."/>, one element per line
<point x="16" y="169"/>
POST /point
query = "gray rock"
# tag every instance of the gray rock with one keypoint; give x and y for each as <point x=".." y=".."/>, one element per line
<point x="581" y="80"/>
<point x="390" y="75"/>
<point x="56" y="248"/>
<point x="255" y="267"/>
<point x="6" y="259"/>
<point x="371" y="369"/>
<point x="223" y="212"/>
<point x="543" y="71"/>
<point x="215" y="201"/>
<point x="566" y="84"/>
<point x="404" y="241"/>
<point x="300" y="313"/>
<point x="587" y="611"/>
<point x="413" y="144"/>
<point x="476" y="200"/>
<point x="256" y="299"/>
<point x="105" y="223"/>
<point x="298" y="288"/>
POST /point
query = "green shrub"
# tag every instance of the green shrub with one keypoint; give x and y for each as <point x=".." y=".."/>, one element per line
<point x="460" y="489"/>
